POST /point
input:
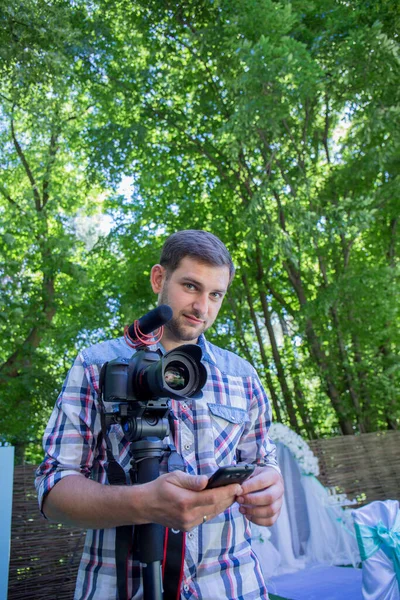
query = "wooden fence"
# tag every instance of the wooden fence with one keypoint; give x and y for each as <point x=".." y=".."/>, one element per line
<point x="45" y="556"/>
<point x="365" y="467"/>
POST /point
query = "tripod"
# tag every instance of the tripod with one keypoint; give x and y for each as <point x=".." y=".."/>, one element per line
<point x="140" y="386"/>
<point x="146" y="456"/>
<point x="145" y="426"/>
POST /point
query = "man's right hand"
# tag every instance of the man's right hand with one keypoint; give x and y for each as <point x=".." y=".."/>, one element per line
<point x="175" y="500"/>
<point x="180" y="501"/>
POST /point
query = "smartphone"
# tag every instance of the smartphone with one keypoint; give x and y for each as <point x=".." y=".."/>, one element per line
<point x="227" y="475"/>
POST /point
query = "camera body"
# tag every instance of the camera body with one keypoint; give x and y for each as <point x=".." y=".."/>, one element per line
<point x="139" y="387"/>
<point x="148" y="375"/>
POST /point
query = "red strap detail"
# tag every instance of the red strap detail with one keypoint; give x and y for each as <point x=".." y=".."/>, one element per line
<point x="142" y="339"/>
<point x="127" y="575"/>
<point x="165" y="551"/>
<point x="178" y="593"/>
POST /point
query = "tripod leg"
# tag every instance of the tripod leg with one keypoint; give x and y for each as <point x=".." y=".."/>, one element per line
<point x="152" y="581"/>
<point x="150" y="536"/>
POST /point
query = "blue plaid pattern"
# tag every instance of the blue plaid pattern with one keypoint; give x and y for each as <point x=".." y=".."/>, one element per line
<point x="230" y="420"/>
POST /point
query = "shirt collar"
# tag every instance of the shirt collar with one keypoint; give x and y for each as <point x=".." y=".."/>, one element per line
<point x="205" y="346"/>
<point x="208" y="355"/>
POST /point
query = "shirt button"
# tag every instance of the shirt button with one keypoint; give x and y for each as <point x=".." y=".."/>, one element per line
<point x="184" y="406"/>
<point x="186" y="587"/>
<point x="190" y="535"/>
<point x="187" y="446"/>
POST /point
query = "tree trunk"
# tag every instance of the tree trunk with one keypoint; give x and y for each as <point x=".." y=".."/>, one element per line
<point x="346" y="424"/>
<point x="278" y="364"/>
<point x="18" y="360"/>
<point x="270" y="384"/>
<point x="287" y="396"/>
<point x="301" y="405"/>
<point x="362" y="381"/>
<point x="348" y="380"/>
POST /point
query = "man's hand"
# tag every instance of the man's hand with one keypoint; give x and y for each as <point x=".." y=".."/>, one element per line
<point x="262" y="496"/>
<point x="180" y="501"/>
<point x="176" y="500"/>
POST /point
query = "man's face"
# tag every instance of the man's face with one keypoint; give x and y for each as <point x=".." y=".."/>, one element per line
<point x="194" y="291"/>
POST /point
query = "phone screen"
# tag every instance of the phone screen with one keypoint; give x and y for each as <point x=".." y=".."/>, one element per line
<point x="228" y="475"/>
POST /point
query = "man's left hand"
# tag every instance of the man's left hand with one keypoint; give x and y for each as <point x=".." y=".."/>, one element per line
<point x="262" y="496"/>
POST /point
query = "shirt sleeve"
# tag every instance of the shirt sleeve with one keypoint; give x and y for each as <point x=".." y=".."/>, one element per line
<point x="255" y="445"/>
<point x="71" y="436"/>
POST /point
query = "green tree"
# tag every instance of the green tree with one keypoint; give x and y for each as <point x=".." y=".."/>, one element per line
<point x="48" y="297"/>
<point x="272" y="124"/>
<point x="263" y="122"/>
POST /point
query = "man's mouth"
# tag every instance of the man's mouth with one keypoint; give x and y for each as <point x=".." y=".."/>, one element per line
<point x="194" y="319"/>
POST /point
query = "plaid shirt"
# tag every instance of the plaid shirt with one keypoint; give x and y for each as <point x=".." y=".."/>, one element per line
<point x="230" y="420"/>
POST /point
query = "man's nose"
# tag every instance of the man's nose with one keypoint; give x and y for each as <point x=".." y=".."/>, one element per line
<point x="201" y="304"/>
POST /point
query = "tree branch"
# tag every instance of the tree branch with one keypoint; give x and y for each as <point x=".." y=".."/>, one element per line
<point x="53" y="149"/>
<point x="279" y="298"/>
<point x="326" y="130"/>
<point x="8" y="197"/>
<point x="300" y="160"/>
<point x="27" y="168"/>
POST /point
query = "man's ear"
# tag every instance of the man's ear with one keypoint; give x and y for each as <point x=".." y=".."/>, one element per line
<point x="157" y="278"/>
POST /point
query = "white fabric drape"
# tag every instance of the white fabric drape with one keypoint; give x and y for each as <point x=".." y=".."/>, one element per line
<point x="309" y="530"/>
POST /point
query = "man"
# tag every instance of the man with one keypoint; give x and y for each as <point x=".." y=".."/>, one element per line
<point x="229" y="422"/>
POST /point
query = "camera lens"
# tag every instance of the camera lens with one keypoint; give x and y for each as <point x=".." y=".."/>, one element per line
<point x="176" y="375"/>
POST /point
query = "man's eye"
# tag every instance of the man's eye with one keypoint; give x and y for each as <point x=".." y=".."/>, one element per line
<point x="189" y="286"/>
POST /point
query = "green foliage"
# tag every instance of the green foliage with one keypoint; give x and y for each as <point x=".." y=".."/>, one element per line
<point x="273" y="124"/>
<point x="48" y="293"/>
<point x="265" y="123"/>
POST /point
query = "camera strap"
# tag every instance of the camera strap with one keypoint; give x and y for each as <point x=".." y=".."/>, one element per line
<point x="123" y="534"/>
<point x="173" y="562"/>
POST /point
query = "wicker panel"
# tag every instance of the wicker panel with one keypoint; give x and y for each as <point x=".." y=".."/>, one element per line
<point x="44" y="557"/>
<point x="365" y="467"/>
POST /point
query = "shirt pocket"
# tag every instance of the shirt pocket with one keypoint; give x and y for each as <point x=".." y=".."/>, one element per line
<point x="228" y="423"/>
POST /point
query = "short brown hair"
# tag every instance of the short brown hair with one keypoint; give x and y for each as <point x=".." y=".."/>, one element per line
<point x="195" y="243"/>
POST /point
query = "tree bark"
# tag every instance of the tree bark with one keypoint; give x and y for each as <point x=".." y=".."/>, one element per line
<point x="287" y="396"/>
<point x="301" y="405"/>
<point x="18" y="359"/>
<point x="264" y="358"/>
<point x="316" y="350"/>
